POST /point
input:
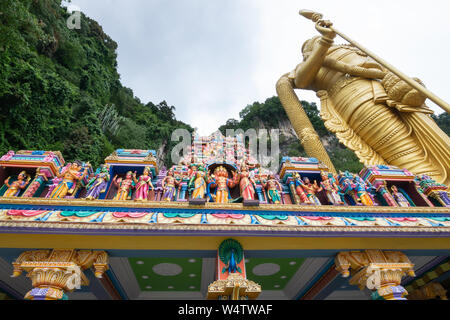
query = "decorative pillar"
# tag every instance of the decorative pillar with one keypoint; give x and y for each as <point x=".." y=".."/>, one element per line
<point x="259" y="192"/>
<point x="294" y="195"/>
<point x="379" y="271"/>
<point x="55" y="272"/>
<point x="182" y="190"/>
<point x="232" y="282"/>
<point x="441" y="197"/>
<point x="434" y="190"/>
<point x="159" y="189"/>
<point x="384" y="192"/>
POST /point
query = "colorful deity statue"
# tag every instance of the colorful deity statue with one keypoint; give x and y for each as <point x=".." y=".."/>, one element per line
<point x="70" y="176"/>
<point x="383" y="191"/>
<point x="169" y="185"/>
<point x="143" y="185"/>
<point x="362" y="190"/>
<point x="260" y="178"/>
<point x="331" y="188"/>
<point x="192" y="172"/>
<point x="39" y="179"/>
<point x="55" y="182"/>
<point x="125" y="186"/>
<point x="97" y="184"/>
<point x="222" y="183"/>
<point x="399" y="197"/>
<point x="247" y="185"/>
<point x="300" y="190"/>
<point x="198" y="184"/>
<point x="434" y="190"/>
<point x="273" y="189"/>
<point x="15" y="187"/>
<point x="311" y="189"/>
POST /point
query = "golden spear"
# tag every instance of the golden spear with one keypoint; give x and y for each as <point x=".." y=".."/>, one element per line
<point x="316" y="17"/>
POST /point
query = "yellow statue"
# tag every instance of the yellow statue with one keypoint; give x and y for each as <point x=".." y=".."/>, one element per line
<point x="222" y="183"/>
<point x="198" y="183"/>
<point x="15" y="187"/>
<point x="372" y="111"/>
<point x="71" y="175"/>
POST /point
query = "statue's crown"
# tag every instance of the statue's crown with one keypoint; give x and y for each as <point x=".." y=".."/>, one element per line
<point x="220" y="169"/>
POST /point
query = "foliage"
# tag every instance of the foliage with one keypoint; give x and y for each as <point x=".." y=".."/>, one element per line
<point x="443" y="121"/>
<point x="60" y="89"/>
<point x="271" y="115"/>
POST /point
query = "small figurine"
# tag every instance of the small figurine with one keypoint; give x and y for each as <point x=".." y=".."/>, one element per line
<point x="168" y="184"/>
<point x="39" y="179"/>
<point x="273" y="189"/>
<point x="399" y="197"/>
<point x="15" y="187"/>
<point x="143" y="185"/>
<point x="221" y="182"/>
<point x="329" y="185"/>
<point x="299" y="189"/>
<point x="97" y="184"/>
<point x="247" y="184"/>
<point x="311" y="190"/>
<point x="383" y="191"/>
<point x="55" y="182"/>
<point x="361" y="189"/>
<point x="198" y="183"/>
<point x="71" y="175"/>
<point x="125" y="186"/>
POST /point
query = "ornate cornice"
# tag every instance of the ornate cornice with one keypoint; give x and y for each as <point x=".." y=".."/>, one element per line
<point x="217" y="206"/>
<point x="296" y="230"/>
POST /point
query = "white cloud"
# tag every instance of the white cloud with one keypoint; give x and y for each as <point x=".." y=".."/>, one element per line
<point x="211" y="58"/>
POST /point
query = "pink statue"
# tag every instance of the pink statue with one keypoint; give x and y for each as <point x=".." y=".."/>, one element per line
<point x="246" y="184"/>
<point x="143" y="185"/>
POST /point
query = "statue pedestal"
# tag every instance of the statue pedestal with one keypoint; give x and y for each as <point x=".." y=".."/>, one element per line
<point x="197" y="202"/>
<point x="251" y="203"/>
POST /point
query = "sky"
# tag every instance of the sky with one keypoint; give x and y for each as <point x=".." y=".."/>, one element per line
<point x="211" y="58"/>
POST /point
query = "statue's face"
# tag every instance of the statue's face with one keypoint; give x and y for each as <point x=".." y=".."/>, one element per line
<point x="306" y="180"/>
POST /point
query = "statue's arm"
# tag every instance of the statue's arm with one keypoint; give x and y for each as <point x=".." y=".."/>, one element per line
<point x="306" y="71"/>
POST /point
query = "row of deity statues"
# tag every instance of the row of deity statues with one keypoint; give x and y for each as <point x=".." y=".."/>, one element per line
<point x="217" y="184"/>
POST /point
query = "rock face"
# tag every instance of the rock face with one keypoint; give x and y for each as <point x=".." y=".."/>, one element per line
<point x="271" y="115"/>
<point x="161" y="155"/>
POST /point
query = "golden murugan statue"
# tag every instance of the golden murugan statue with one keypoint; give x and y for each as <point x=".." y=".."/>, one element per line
<point x="372" y="111"/>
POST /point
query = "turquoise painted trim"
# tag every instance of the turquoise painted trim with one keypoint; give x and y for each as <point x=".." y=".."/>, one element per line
<point x="330" y="213"/>
<point x="117" y="285"/>
<point x="314" y="280"/>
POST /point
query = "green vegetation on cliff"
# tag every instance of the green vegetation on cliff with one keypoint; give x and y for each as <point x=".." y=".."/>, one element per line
<point x="60" y="89"/>
<point x="271" y="115"/>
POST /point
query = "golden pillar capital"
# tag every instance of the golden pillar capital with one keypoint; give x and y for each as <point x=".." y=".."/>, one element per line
<point x="55" y="272"/>
<point x="235" y="287"/>
<point x="379" y="271"/>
